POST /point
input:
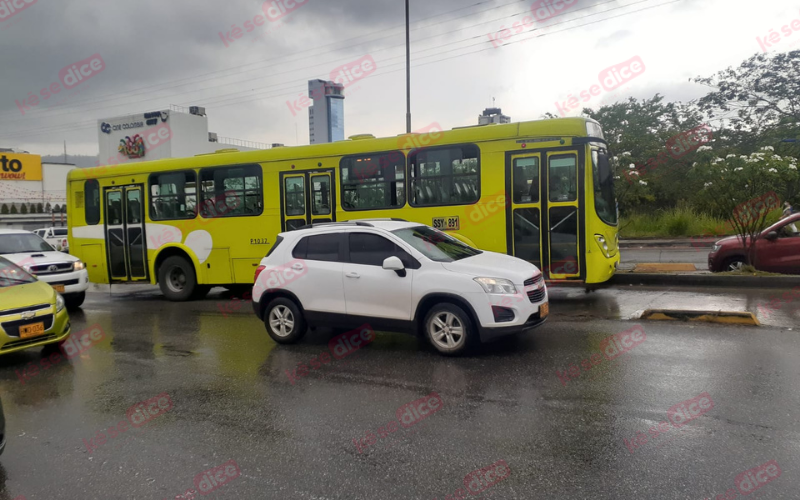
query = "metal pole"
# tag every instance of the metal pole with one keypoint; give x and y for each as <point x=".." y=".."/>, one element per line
<point x="408" y="76"/>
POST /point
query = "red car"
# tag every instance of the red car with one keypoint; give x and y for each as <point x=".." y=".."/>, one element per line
<point x="777" y="249"/>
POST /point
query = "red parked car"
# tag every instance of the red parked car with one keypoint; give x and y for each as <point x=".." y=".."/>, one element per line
<point x="777" y="249"/>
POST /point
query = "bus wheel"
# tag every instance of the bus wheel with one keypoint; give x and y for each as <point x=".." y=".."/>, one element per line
<point x="176" y="279"/>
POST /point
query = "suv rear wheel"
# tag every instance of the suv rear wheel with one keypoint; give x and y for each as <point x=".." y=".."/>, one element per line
<point x="449" y="329"/>
<point x="284" y="321"/>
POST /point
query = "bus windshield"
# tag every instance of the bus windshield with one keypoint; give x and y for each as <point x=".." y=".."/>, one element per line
<point x="605" y="202"/>
<point x="436" y="245"/>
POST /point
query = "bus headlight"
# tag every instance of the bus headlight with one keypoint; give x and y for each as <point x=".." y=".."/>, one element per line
<point x="497" y="286"/>
<point x="601" y="242"/>
<point x="79" y="265"/>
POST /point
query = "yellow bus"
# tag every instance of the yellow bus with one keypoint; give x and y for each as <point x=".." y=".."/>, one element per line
<point x="540" y="190"/>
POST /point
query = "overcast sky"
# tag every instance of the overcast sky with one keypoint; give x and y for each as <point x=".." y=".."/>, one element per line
<point x="185" y="52"/>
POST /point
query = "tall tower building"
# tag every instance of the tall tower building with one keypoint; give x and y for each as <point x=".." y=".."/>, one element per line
<point x="493" y="115"/>
<point x="326" y="115"/>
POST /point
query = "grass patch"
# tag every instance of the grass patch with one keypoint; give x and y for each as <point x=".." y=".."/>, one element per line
<point x="678" y="222"/>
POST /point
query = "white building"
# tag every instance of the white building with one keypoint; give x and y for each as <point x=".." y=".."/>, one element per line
<point x="493" y="115"/>
<point x="172" y="133"/>
<point x="326" y="116"/>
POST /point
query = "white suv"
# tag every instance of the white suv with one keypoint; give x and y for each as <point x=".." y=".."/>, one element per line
<point x="398" y="276"/>
<point x="66" y="273"/>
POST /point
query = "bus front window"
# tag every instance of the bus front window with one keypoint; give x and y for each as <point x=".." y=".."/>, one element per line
<point x="605" y="202"/>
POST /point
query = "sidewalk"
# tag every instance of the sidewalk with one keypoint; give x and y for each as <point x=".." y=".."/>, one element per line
<point x="672" y="274"/>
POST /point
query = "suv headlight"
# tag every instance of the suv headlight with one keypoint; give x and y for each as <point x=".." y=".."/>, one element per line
<point x="79" y="265"/>
<point x="497" y="286"/>
<point x="715" y="248"/>
<point x="59" y="302"/>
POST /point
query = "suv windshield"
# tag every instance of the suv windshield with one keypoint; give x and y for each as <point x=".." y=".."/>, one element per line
<point x="11" y="275"/>
<point x="435" y="245"/>
<point x="23" y="243"/>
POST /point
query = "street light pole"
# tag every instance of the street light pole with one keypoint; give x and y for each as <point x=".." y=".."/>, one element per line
<point x="408" y="76"/>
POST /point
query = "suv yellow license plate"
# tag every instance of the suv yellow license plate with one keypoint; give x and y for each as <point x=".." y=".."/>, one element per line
<point x="544" y="310"/>
<point x="33" y="330"/>
<point x="58" y="288"/>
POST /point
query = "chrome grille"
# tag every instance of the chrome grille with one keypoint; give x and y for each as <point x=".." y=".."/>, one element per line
<point x="535" y="294"/>
<point x="39" y="307"/>
<point x="52" y="268"/>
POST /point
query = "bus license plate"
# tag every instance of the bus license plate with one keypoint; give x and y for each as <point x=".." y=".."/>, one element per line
<point x="447" y="223"/>
<point x="33" y="330"/>
<point x="58" y="288"/>
<point x="544" y="310"/>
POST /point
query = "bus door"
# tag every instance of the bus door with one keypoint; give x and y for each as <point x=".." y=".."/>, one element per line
<point x="544" y="210"/>
<point x="307" y="198"/>
<point x="125" y="233"/>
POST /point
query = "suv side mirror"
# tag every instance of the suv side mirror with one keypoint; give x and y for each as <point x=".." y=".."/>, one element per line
<point x="772" y="235"/>
<point x="395" y="264"/>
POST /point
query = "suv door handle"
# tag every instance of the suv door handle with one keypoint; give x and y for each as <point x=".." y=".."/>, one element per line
<point x="297" y="267"/>
<point x="353" y="275"/>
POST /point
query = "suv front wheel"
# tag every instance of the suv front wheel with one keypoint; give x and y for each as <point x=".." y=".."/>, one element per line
<point x="284" y="321"/>
<point x="449" y="329"/>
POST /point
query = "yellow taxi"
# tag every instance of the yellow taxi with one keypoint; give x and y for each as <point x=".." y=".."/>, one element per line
<point x="32" y="313"/>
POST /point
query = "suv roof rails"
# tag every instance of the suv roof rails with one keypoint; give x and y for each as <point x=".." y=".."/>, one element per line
<point x="345" y="223"/>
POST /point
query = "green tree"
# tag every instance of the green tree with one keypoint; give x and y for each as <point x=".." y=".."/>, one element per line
<point x="4" y="209"/>
<point x="47" y="208"/>
<point x="57" y="208"/>
<point x="13" y="209"/>
<point x="745" y="189"/>
<point x="23" y="209"/>
<point x="40" y="208"/>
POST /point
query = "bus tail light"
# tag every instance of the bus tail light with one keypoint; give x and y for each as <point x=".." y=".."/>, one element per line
<point x="258" y="271"/>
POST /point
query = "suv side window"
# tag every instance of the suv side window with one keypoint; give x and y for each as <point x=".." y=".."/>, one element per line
<point x="371" y="250"/>
<point x="322" y="247"/>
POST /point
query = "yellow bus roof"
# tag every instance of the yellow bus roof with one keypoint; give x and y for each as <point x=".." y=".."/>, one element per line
<point x="556" y="127"/>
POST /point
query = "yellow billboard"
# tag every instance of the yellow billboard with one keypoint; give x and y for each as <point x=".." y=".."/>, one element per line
<point x="20" y="167"/>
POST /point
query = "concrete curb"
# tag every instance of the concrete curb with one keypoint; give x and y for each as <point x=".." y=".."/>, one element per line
<point x="698" y="243"/>
<point x="724" y="317"/>
<point x="706" y="280"/>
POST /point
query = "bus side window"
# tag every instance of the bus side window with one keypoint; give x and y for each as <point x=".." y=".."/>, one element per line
<point x="91" y="189"/>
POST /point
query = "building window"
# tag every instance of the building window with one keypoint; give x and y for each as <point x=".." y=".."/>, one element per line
<point x="232" y="191"/>
<point x="372" y="182"/>
<point x="173" y="195"/>
<point x="445" y="176"/>
<point x="91" y="190"/>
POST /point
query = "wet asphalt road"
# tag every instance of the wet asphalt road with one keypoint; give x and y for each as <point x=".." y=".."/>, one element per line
<point x="231" y="399"/>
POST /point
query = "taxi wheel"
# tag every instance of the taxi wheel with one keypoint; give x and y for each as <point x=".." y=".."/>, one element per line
<point x="176" y="279"/>
<point x="284" y="321"/>
<point x="449" y="329"/>
<point x="74" y="300"/>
